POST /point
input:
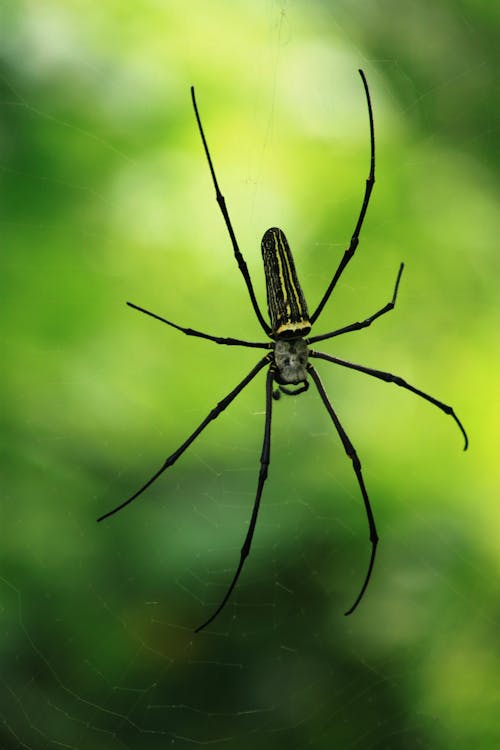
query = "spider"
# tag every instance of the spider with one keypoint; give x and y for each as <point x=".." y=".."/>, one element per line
<point x="288" y="353"/>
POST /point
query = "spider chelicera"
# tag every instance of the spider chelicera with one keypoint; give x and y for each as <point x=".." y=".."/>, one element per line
<point x="289" y="353"/>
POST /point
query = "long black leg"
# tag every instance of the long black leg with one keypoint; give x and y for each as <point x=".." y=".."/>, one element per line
<point x="364" y="323"/>
<point x="390" y="378"/>
<point x="351" y="452"/>
<point x="222" y="205"/>
<point x="366" y="199"/>
<point x="199" y="334"/>
<point x="213" y="415"/>
<point x="264" y="463"/>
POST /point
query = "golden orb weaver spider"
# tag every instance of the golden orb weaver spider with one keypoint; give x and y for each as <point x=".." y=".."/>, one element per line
<point x="288" y="357"/>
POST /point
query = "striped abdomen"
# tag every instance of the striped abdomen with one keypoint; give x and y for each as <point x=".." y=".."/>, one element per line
<point x="285" y="300"/>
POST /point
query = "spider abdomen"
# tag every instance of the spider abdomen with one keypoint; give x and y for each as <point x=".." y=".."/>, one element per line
<point x="290" y="358"/>
<point x="285" y="299"/>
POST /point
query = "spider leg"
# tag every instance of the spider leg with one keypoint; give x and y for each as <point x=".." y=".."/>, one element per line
<point x="283" y="388"/>
<point x="222" y="205"/>
<point x="366" y="199"/>
<point x="213" y="415"/>
<point x="264" y="464"/>
<point x="364" y="323"/>
<point x="351" y="452"/>
<point x="199" y="334"/>
<point x="390" y="378"/>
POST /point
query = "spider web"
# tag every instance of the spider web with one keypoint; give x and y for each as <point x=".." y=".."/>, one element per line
<point x="98" y="649"/>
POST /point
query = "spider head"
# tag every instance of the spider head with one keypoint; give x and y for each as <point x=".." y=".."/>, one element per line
<point x="290" y="358"/>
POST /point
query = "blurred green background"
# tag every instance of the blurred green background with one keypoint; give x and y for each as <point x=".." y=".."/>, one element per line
<point x="106" y="197"/>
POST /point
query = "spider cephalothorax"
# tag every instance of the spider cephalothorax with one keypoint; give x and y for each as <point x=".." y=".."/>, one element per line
<point x="287" y="358"/>
<point x="291" y="359"/>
